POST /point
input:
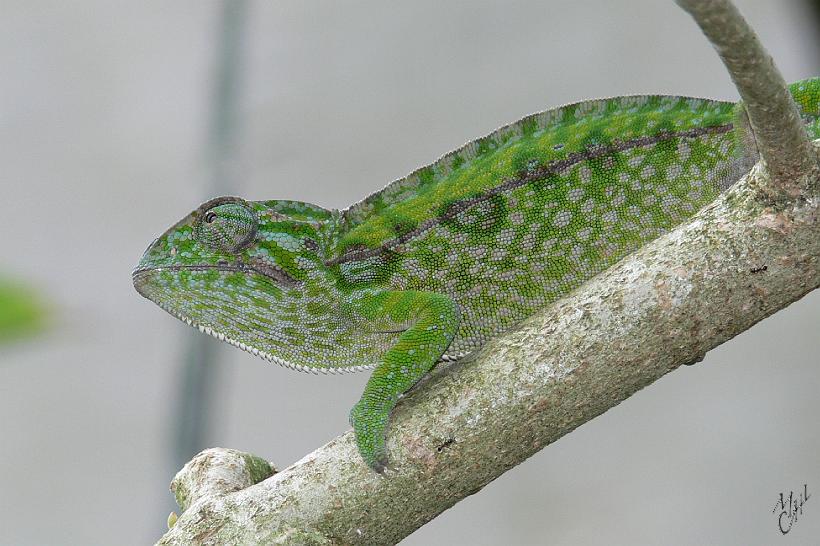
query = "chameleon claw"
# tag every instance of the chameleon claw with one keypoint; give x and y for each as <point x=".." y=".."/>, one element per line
<point x="380" y="465"/>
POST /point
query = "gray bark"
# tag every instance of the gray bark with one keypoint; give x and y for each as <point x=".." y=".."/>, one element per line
<point x="739" y="260"/>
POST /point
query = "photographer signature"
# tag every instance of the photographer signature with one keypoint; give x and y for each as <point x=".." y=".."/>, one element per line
<point x="790" y="508"/>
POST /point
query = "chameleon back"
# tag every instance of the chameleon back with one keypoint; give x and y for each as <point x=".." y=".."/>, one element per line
<point x="515" y="220"/>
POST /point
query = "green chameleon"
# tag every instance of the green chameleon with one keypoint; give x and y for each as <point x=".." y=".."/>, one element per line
<point x="437" y="263"/>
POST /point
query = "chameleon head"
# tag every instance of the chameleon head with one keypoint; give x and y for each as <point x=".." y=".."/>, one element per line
<point x="237" y="270"/>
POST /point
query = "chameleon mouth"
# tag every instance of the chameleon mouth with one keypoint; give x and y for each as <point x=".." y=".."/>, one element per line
<point x="271" y="271"/>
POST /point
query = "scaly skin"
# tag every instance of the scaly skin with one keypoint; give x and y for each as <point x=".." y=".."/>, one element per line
<point x="437" y="263"/>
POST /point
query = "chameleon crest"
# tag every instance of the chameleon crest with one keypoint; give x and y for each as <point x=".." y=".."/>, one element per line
<point x="437" y="263"/>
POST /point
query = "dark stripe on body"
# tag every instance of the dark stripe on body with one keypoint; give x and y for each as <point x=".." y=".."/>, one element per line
<point x="526" y="177"/>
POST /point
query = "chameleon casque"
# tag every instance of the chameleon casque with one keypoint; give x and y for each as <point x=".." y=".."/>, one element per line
<point x="438" y="262"/>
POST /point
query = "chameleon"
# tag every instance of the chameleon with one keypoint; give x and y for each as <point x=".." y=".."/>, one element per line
<point x="435" y="264"/>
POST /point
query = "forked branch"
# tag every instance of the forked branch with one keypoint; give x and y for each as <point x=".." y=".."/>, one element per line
<point x="775" y="121"/>
<point x="666" y="305"/>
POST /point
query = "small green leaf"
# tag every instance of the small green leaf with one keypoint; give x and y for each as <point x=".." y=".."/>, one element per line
<point x="21" y="311"/>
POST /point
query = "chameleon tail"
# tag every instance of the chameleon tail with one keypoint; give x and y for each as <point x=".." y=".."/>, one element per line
<point x="806" y="94"/>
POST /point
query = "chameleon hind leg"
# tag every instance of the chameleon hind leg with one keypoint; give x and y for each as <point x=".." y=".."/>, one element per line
<point x="433" y="321"/>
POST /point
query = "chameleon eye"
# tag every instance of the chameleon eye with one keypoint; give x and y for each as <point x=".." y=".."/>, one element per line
<point x="230" y="227"/>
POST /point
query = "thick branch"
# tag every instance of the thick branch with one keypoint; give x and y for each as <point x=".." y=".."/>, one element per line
<point x="775" y="121"/>
<point x="666" y="305"/>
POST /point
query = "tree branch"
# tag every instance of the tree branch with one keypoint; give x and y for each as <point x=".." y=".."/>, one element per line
<point x="218" y="471"/>
<point x="775" y="121"/>
<point x="666" y="305"/>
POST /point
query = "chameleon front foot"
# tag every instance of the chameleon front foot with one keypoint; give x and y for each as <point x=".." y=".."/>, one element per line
<point x="369" y="423"/>
<point x="428" y="322"/>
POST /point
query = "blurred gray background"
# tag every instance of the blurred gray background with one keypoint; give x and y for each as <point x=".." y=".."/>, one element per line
<point x="104" y="110"/>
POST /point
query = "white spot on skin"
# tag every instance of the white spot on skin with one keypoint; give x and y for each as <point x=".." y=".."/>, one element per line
<point x="562" y="219"/>
<point x="584" y="174"/>
<point x="610" y="217"/>
<point x="673" y="171"/>
<point x="684" y="151"/>
<point x="505" y="237"/>
<point x="575" y="194"/>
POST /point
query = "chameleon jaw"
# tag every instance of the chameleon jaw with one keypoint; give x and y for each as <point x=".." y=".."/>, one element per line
<point x="141" y="278"/>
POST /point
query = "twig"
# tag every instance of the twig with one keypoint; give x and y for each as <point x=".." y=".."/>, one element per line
<point x="775" y="121"/>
